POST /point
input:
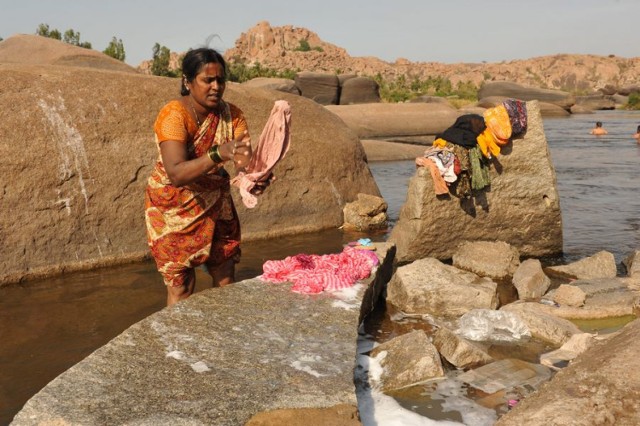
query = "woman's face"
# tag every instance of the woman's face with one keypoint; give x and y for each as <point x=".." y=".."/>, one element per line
<point x="208" y="86"/>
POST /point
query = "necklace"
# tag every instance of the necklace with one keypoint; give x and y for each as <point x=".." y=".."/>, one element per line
<point x="194" y="111"/>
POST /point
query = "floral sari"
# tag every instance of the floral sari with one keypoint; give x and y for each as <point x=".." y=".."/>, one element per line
<point x="194" y="224"/>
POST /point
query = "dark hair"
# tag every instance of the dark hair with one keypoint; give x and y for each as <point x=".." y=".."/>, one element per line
<point x="598" y="123"/>
<point x="638" y="129"/>
<point x="194" y="61"/>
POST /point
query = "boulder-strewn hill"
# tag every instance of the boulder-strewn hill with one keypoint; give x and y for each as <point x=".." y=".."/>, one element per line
<point x="275" y="47"/>
<point x="38" y="50"/>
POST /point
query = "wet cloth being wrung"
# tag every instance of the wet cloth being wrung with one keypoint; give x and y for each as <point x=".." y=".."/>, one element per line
<point x="272" y="147"/>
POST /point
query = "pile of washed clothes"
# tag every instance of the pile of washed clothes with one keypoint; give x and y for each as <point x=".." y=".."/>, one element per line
<point x="463" y="153"/>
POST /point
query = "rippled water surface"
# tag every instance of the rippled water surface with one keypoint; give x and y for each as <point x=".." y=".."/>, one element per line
<point x="47" y="326"/>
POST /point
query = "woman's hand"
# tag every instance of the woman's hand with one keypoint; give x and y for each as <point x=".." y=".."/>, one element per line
<point x="261" y="186"/>
<point x="239" y="150"/>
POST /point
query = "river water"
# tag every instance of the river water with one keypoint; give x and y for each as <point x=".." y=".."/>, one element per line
<point x="47" y="326"/>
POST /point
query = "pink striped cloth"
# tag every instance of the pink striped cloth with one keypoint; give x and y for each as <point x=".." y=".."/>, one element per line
<point x="272" y="147"/>
<point x="311" y="274"/>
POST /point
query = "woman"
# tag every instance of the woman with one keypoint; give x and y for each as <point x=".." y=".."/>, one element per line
<point x="189" y="213"/>
<point x="636" y="135"/>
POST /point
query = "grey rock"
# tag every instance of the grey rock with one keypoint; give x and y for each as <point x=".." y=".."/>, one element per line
<point x="522" y="207"/>
<point x="359" y="90"/>
<point x="407" y="360"/>
<point x="530" y="280"/>
<point x="569" y="295"/>
<point x="428" y="286"/>
<point x="577" y="344"/>
<point x="383" y="120"/>
<point x="366" y="213"/>
<point x="632" y="264"/>
<point x="261" y="346"/>
<point x="322" y="88"/>
<point x="281" y="84"/>
<point x="579" y="109"/>
<point x="599" y="102"/>
<point x="542" y="324"/>
<point x="600" y="265"/>
<point x="458" y="351"/>
<point x="599" y="386"/>
<point x="493" y="259"/>
<point x="525" y="93"/>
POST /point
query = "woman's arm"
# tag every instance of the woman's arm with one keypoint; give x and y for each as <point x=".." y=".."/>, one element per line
<point x="179" y="168"/>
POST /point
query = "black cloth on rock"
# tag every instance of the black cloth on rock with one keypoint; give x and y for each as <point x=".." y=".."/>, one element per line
<point x="465" y="130"/>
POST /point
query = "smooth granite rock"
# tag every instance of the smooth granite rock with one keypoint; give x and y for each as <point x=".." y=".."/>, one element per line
<point x="521" y="208"/>
<point x="220" y="357"/>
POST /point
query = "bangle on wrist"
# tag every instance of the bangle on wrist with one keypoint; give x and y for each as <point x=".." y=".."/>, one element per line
<point x="214" y="154"/>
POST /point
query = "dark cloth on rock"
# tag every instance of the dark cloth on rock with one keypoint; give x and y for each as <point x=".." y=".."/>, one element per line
<point x="465" y="130"/>
<point x="517" y="111"/>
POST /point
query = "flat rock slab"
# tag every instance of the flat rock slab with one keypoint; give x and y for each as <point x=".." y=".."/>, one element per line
<point x="220" y="357"/>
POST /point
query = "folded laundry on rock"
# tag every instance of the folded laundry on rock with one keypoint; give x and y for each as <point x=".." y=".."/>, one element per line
<point x="463" y="152"/>
<point x="312" y="274"/>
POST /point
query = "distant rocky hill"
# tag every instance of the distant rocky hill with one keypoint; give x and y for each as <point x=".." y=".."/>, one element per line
<point x="38" y="50"/>
<point x="279" y="48"/>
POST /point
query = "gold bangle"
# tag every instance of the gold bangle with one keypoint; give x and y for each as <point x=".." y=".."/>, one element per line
<point x="214" y="154"/>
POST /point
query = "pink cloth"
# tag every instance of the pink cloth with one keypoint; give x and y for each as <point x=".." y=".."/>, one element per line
<point x="272" y="147"/>
<point x="311" y="274"/>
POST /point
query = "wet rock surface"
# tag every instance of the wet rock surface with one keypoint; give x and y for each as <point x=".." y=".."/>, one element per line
<point x="407" y="360"/>
<point x="602" y="386"/>
<point x="493" y="259"/>
<point x="220" y="357"/>
<point x="430" y="286"/>
<point x="600" y="265"/>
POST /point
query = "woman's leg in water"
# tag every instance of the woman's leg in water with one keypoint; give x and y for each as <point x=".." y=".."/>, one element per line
<point x="176" y="294"/>
<point x="223" y="274"/>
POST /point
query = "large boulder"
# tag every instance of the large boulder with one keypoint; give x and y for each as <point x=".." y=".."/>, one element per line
<point x="388" y="120"/>
<point x="407" y="360"/>
<point x="598" y="101"/>
<point x="38" y="50"/>
<point x="600" y="265"/>
<point x="601" y="386"/>
<point x="521" y="208"/>
<point x="543" y="325"/>
<point x="460" y="352"/>
<point x="359" y="90"/>
<point x="494" y="259"/>
<point x="78" y="147"/>
<point x="322" y="88"/>
<point x="428" y="286"/>
<point x="546" y="109"/>
<point x="282" y="84"/>
<point x="526" y="93"/>
<point x="530" y="280"/>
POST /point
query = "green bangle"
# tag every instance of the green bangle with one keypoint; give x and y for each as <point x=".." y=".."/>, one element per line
<point x="214" y="154"/>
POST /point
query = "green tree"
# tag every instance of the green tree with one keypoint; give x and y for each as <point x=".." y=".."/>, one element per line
<point x="115" y="49"/>
<point x="73" y="38"/>
<point x="70" y="36"/>
<point x="161" y="59"/>
<point x="303" y="47"/>
<point x="44" y="31"/>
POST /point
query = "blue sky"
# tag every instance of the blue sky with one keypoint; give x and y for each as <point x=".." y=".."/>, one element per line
<point x="446" y="31"/>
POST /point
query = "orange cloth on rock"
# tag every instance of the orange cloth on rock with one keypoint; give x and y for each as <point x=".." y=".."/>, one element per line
<point x="487" y="143"/>
<point x="497" y="120"/>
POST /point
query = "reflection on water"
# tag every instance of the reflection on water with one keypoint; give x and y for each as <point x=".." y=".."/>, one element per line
<point x="49" y="325"/>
